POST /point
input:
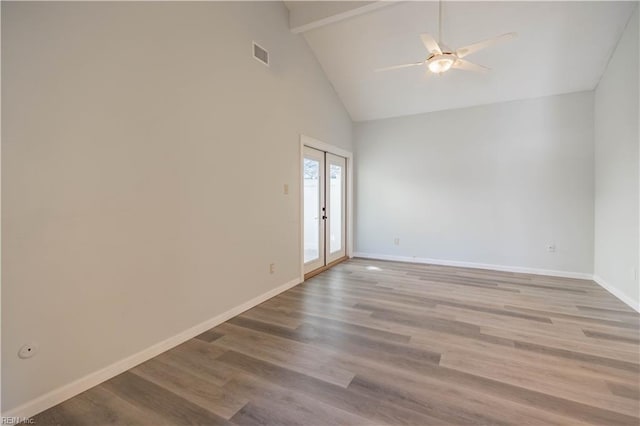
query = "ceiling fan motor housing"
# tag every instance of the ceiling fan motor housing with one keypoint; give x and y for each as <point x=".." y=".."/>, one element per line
<point x="441" y="62"/>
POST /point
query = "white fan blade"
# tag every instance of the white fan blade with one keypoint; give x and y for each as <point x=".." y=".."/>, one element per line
<point x="430" y="44"/>
<point x="465" y="65"/>
<point x="395" y="67"/>
<point x="472" y="48"/>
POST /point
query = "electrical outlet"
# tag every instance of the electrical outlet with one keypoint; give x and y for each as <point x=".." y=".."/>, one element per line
<point x="272" y="268"/>
<point x="551" y="248"/>
<point x="396" y="241"/>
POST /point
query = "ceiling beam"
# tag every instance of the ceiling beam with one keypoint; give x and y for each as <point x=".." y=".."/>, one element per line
<point x="308" y="15"/>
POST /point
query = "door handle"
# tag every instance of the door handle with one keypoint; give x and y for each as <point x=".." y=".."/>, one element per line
<point x="324" y="218"/>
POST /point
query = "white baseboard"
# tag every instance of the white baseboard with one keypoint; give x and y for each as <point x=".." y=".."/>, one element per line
<point x="520" y="269"/>
<point x="617" y="293"/>
<point x="65" y="392"/>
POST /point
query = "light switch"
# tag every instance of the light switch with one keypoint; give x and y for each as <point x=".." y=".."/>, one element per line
<point x="286" y="189"/>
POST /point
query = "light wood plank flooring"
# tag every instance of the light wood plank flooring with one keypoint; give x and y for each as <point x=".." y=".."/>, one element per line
<point x="374" y="343"/>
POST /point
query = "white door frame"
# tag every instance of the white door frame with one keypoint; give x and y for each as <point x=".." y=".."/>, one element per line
<point x="320" y="261"/>
<point x="330" y="160"/>
<point x="322" y="146"/>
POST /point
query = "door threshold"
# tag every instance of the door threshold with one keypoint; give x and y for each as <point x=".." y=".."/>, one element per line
<point x="324" y="268"/>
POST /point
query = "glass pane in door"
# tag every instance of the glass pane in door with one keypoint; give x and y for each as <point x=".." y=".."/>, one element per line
<point x="336" y="190"/>
<point x="311" y="177"/>
<point x="335" y="206"/>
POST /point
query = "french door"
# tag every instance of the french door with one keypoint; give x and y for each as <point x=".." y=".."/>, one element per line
<point x="324" y="182"/>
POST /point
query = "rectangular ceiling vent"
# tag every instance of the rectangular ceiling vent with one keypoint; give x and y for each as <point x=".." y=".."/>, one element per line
<point x="260" y="54"/>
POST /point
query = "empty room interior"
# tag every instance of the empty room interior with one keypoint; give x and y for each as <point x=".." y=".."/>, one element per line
<point x="320" y="213"/>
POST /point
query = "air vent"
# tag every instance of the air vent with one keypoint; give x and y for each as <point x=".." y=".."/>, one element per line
<point x="260" y="54"/>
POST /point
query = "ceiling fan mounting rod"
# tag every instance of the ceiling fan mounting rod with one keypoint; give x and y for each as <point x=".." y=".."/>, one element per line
<point x="440" y="22"/>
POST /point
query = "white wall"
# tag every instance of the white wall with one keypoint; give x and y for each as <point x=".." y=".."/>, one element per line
<point x="132" y="138"/>
<point x="616" y="161"/>
<point x="492" y="184"/>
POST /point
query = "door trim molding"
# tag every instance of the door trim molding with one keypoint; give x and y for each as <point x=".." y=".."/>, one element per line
<point x="323" y="146"/>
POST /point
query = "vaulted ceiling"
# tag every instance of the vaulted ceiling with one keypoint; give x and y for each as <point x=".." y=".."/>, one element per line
<point x="561" y="47"/>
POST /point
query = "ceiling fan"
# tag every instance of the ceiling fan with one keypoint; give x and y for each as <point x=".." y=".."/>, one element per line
<point x="441" y="58"/>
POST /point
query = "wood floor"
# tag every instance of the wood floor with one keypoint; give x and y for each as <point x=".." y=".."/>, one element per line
<point x="373" y="343"/>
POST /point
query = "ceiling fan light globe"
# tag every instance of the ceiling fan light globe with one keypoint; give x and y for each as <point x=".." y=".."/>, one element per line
<point x="440" y="63"/>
